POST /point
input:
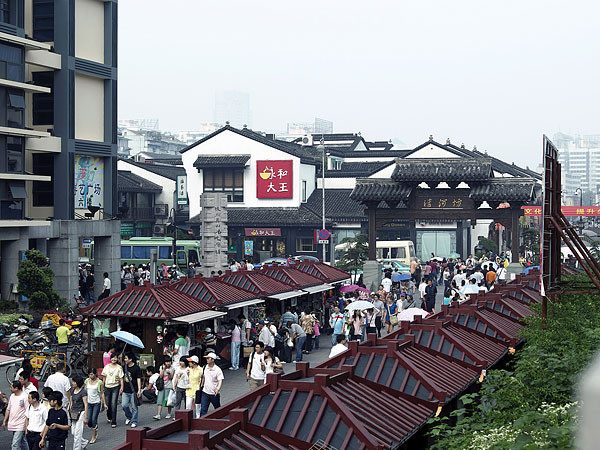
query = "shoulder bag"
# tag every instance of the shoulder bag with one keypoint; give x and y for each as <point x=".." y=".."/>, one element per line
<point x="393" y="317"/>
<point x="137" y="400"/>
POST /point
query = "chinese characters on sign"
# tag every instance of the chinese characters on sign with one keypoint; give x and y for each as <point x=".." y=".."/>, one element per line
<point x="274" y="179"/>
<point x="590" y="211"/>
<point x="182" y="190"/>
<point x="89" y="181"/>
<point x="267" y="232"/>
<point x="442" y="203"/>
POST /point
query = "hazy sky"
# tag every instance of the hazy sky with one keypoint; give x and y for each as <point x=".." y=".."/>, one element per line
<point x="493" y="74"/>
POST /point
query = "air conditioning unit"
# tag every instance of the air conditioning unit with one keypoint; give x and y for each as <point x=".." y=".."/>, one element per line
<point x="160" y="210"/>
<point x="307" y="140"/>
<point x="159" y="229"/>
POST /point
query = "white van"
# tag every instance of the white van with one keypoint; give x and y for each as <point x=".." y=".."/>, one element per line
<point x="401" y="251"/>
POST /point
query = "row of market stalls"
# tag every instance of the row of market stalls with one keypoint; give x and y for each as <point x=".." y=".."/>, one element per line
<point x="155" y="312"/>
<point x="376" y="395"/>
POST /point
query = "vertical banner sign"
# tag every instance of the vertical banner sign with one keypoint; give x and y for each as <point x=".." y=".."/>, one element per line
<point x="89" y="181"/>
<point x="248" y="248"/>
<point x="274" y="179"/>
<point x="182" y="190"/>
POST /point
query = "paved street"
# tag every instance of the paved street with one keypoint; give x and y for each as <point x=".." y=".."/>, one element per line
<point x="233" y="387"/>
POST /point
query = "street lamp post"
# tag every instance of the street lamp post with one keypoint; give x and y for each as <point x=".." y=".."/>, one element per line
<point x="321" y="147"/>
<point x="580" y="203"/>
<point x="172" y="222"/>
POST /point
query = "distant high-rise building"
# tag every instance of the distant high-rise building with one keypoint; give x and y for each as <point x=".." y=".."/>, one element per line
<point x="580" y="158"/>
<point x="323" y="126"/>
<point x="233" y="107"/>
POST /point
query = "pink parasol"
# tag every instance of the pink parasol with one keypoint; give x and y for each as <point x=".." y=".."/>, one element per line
<point x="349" y="288"/>
<point x="362" y="289"/>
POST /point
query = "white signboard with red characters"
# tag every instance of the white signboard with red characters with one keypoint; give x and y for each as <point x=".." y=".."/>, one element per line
<point x="274" y="179"/>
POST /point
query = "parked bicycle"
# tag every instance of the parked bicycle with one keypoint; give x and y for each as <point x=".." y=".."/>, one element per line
<point x="43" y="363"/>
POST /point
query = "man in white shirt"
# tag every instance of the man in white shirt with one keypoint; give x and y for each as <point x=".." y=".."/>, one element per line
<point x="256" y="369"/>
<point x="422" y="287"/>
<point x="213" y="381"/>
<point x="387" y="284"/>
<point x="264" y="334"/>
<point x="60" y="382"/>
<point x="36" y="416"/>
<point x="340" y="347"/>
<point x="273" y="330"/>
<point x="249" y="265"/>
<point x="28" y="386"/>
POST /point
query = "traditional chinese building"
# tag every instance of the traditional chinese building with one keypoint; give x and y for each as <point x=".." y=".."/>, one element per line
<point x="275" y="191"/>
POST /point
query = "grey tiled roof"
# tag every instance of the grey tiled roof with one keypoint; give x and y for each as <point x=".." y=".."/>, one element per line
<point x="163" y="170"/>
<point x="221" y="161"/>
<point x="271" y="217"/>
<point x="307" y="155"/>
<point x="338" y="205"/>
<point x="379" y="189"/>
<point x="356" y="169"/>
<point x="129" y="182"/>
<point x="459" y="169"/>
<point x="505" y="190"/>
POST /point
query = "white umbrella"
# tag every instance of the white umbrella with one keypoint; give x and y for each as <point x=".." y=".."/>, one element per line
<point x="410" y="313"/>
<point x="359" y="304"/>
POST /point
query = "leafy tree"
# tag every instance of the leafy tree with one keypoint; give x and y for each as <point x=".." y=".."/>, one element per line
<point x="531" y="242"/>
<point x="488" y="245"/>
<point x="36" y="280"/>
<point x="355" y="254"/>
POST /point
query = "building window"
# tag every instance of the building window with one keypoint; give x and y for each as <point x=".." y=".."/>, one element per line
<point x="15" y="104"/>
<point x="229" y="181"/>
<point x="43" y="191"/>
<point x="43" y="20"/>
<point x="5" y="11"/>
<point x="43" y="104"/>
<point x="11" y="209"/>
<point x="303" y="191"/>
<point x="14" y="154"/>
<point x="305" y="245"/>
<point x="12" y="65"/>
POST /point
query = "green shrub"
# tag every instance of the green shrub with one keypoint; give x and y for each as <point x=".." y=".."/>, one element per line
<point x="532" y="403"/>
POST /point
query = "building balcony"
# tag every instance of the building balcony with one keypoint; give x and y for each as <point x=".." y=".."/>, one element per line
<point x="43" y="58"/>
<point x="24" y="177"/>
<point x="27" y="87"/>
<point x="50" y="144"/>
<point x="23" y="132"/>
<point x="27" y="43"/>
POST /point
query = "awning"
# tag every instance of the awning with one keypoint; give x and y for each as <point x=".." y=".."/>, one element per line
<point x="246" y="303"/>
<point x="347" y="280"/>
<point x="284" y="295"/>
<point x="6" y="360"/>
<point x="198" y="316"/>
<point x="318" y="288"/>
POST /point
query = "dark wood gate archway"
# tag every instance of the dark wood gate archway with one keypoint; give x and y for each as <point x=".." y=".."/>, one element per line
<point x="453" y="189"/>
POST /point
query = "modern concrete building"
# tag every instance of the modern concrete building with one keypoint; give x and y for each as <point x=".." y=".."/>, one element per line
<point x="58" y="135"/>
<point x="580" y="158"/>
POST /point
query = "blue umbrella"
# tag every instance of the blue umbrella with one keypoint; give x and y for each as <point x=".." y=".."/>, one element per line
<point x="530" y="268"/>
<point x="128" y="338"/>
<point x="401" y="277"/>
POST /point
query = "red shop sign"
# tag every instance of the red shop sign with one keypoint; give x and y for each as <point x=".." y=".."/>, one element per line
<point x="590" y="211"/>
<point x="274" y="179"/>
<point x="262" y="231"/>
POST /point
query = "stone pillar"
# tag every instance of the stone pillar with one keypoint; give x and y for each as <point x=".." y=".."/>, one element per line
<point x="64" y="257"/>
<point x="10" y="266"/>
<point x="372" y="211"/>
<point x="107" y="258"/>
<point x="515" y="236"/>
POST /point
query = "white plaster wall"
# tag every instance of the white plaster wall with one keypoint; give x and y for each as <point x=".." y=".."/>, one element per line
<point x="386" y="172"/>
<point x="230" y="143"/>
<point x="432" y="151"/>
<point x="168" y="185"/>
<point x="89" y="30"/>
<point x="307" y="173"/>
<point x="364" y="157"/>
<point x="481" y="229"/>
<point x="89" y="108"/>
<point x="337" y="183"/>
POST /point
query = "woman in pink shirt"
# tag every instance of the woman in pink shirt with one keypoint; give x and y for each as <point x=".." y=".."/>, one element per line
<point x="317" y="334"/>
<point x="236" y="342"/>
<point x="15" y="416"/>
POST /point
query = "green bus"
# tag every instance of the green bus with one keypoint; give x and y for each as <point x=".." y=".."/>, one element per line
<point x="137" y="251"/>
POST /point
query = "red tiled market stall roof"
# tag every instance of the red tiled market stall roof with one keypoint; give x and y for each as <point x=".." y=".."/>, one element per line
<point x="325" y="272"/>
<point x="213" y="291"/>
<point x="146" y="302"/>
<point x="374" y="396"/>
<point x="256" y="282"/>
<point x="292" y="276"/>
